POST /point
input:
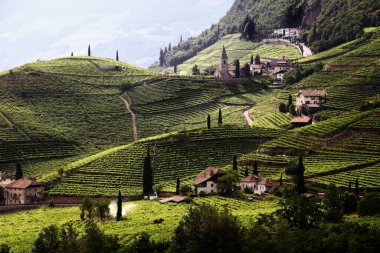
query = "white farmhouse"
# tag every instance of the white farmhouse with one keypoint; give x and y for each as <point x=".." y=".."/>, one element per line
<point x="206" y="182"/>
<point x="278" y="65"/>
<point x="310" y="98"/>
<point x="289" y="33"/>
<point x="257" y="185"/>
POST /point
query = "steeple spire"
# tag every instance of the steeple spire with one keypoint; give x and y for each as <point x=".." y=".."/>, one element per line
<point x="224" y="53"/>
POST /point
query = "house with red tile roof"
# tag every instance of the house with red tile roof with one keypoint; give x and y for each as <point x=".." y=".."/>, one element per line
<point x="206" y="182"/>
<point x="257" y="184"/>
<point x="23" y="192"/>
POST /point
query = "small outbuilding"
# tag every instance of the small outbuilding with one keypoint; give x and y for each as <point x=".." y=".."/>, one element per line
<point x="301" y="121"/>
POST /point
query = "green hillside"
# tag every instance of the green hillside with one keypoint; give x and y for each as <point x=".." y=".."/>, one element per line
<point x="237" y="50"/>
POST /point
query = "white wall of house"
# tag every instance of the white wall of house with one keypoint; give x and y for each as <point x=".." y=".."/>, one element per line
<point x="302" y="100"/>
<point x="6" y="181"/>
<point x="208" y="187"/>
<point x="22" y="196"/>
<point x="280" y="76"/>
<point x="251" y="185"/>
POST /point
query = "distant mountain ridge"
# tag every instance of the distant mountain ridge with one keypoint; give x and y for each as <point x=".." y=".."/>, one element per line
<point x="329" y="23"/>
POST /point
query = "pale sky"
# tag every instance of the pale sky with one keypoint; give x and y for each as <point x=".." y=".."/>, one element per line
<point x="47" y="29"/>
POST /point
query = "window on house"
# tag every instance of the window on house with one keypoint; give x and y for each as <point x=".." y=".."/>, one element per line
<point x="212" y="191"/>
<point x="212" y="185"/>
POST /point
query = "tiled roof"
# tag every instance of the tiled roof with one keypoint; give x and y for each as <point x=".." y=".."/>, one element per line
<point x="269" y="182"/>
<point x="207" y="174"/>
<point x="23" y="184"/>
<point x="301" y="120"/>
<point x="251" y="178"/>
<point x="175" y="199"/>
<point x="313" y="93"/>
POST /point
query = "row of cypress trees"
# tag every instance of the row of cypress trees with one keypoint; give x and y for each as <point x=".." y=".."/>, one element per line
<point x="89" y="53"/>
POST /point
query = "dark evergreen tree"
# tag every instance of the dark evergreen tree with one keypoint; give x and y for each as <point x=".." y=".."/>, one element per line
<point x="178" y="186"/>
<point x="242" y="25"/>
<point x="89" y="50"/>
<point x="255" y="169"/>
<point x="290" y="100"/>
<point x="165" y="51"/>
<point x="162" y="57"/>
<point x="357" y="187"/>
<point x="257" y="59"/>
<point x="252" y="61"/>
<point x="175" y="69"/>
<point x="249" y="30"/>
<point x="246" y="172"/>
<point x="196" y="71"/>
<point x="281" y="180"/>
<point x="247" y="70"/>
<point x="234" y="164"/>
<point x="220" y="117"/>
<point x="119" y="212"/>
<point x="282" y="108"/>
<point x="349" y="186"/>
<point x="19" y="172"/>
<point x="237" y="72"/>
<point x="72" y="54"/>
<point x="170" y="47"/>
<point x="181" y="40"/>
<point x="117" y="55"/>
<point x="208" y="121"/>
<point x="300" y="179"/>
<point x="147" y="174"/>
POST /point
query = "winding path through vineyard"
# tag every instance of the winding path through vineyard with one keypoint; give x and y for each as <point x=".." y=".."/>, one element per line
<point x="134" y="124"/>
<point x="247" y="117"/>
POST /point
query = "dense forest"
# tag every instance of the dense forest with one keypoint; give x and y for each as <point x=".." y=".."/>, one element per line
<point x="329" y="23"/>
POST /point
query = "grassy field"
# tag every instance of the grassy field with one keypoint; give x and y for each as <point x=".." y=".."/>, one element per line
<point x="236" y="49"/>
<point x="19" y="230"/>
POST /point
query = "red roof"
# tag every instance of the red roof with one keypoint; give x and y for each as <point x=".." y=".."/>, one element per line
<point x="283" y="61"/>
<point x="251" y="178"/>
<point x="301" y="120"/>
<point x="175" y="199"/>
<point x="312" y="93"/>
<point x="23" y="184"/>
<point x="269" y="182"/>
<point x="207" y="174"/>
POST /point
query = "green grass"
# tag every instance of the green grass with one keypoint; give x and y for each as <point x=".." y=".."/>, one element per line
<point x="19" y="230"/>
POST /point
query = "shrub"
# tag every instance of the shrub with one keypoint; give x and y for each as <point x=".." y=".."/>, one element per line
<point x="370" y="204"/>
<point x="4" y="248"/>
<point x="125" y="86"/>
<point x="186" y="189"/>
<point x="282" y="108"/>
<point x="158" y="221"/>
<point x="51" y="203"/>
<point x="350" y="202"/>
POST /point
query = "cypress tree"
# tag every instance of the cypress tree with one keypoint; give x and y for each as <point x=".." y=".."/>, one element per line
<point x="357" y="187"/>
<point x="300" y="179"/>
<point x="181" y="40"/>
<point x="178" y="186"/>
<point x="119" y="212"/>
<point x="255" y="169"/>
<point x="246" y="173"/>
<point x="72" y="54"/>
<point x="290" y="100"/>
<point x="170" y="47"/>
<point x="208" y="121"/>
<point x="257" y="59"/>
<point x="281" y="180"/>
<point x="19" y="172"/>
<point x="161" y="57"/>
<point x="349" y="187"/>
<point x="220" y="118"/>
<point x="147" y="174"/>
<point x="89" y="50"/>
<point x="234" y="164"/>
<point x="237" y="72"/>
<point x="117" y="55"/>
<point x="252" y="59"/>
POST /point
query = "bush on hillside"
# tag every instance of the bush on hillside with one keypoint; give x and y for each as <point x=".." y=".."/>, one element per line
<point x="370" y="204"/>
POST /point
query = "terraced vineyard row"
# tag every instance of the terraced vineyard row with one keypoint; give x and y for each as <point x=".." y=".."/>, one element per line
<point x="182" y="155"/>
<point x="368" y="178"/>
<point x="274" y="120"/>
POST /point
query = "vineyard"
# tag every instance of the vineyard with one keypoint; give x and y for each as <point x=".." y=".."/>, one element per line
<point x="184" y="154"/>
<point x="237" y="49"/>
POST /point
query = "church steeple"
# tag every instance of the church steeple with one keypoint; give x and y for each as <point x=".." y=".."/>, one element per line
<point x="223" y="64"/>
<point x="224" y="54"/>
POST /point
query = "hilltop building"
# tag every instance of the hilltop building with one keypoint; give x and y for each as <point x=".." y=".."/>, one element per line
<point x="206" y="182"/>
<point x="23" y="192"/>
<point x="288" y="33"/>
